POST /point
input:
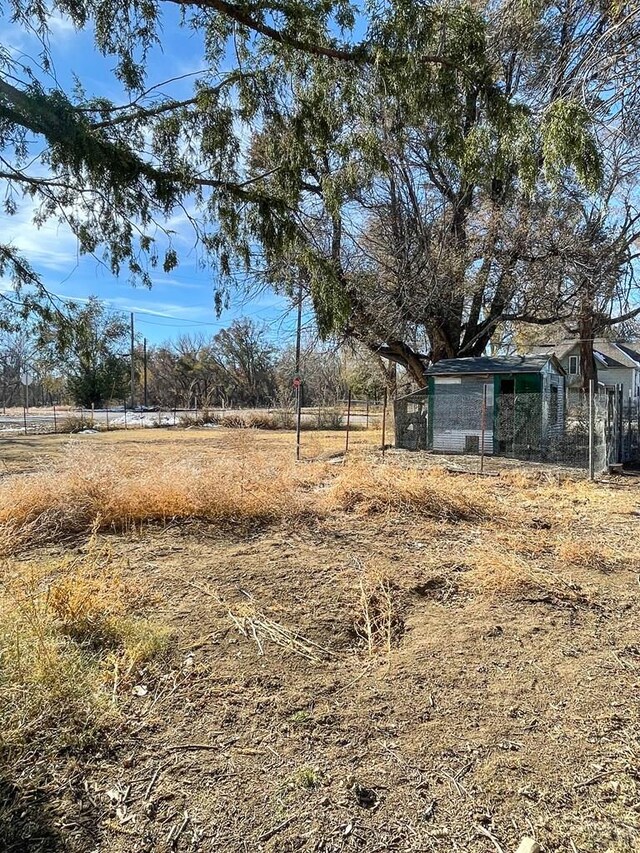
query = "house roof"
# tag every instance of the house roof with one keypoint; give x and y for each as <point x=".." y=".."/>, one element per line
<point x="631" y="352"/>
<point x="559" y="350"/>
<point x="606" y="360"/>
<point x="484" y="364"/>
<point x="608" y="354"/>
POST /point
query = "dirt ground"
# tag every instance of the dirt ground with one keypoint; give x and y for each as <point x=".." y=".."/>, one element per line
<point x="496" y="712"/>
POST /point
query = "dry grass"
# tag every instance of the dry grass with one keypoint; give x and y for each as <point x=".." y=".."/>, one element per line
<point x="376" y="621"/>
<point x="589" y="555"/>
<point x="504" y="573"/>
<point x="72" y="637"/>
<point x="447" y="553"/>
<point x="237" y="477"/>
<point x="120" y="491"/>
<point x="380" y="489"/>
<point x="123" y="492"/>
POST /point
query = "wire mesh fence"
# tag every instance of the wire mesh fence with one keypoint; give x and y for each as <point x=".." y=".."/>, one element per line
<point x="573" y="430"/>
<point x="333" y="415"/>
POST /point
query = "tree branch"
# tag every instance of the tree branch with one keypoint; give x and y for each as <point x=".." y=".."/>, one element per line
<point x="359" y="54"/>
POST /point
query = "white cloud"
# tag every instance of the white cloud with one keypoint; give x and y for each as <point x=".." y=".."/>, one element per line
<point x="50" y="247"/>
<point x="61" y="28"/>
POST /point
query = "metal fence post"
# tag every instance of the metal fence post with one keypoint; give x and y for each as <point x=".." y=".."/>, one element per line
<point x="591" y="418"/>
<point x="298" y="387"/>
<point x="346" y="446"/>
<point x="620" y="424"/>
<point x="483" y="423"/>
<point x="384" y="419"/>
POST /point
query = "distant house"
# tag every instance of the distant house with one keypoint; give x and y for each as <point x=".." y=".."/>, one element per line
<point x="616" y="363"/>
<point x="513" y="405"/>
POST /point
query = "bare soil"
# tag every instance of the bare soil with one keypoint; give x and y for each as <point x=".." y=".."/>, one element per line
<point x="498" y="712"/>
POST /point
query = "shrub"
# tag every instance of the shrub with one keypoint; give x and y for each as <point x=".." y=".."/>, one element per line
<point x="75" y="423"/>
<point x="330" y="418"/>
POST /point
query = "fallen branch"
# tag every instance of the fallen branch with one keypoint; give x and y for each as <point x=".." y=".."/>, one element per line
<point x="256" y="626"/>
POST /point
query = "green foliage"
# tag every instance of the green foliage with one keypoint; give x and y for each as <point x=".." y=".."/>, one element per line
<point x="440" y="114"/>
<point x="90" y="342"/>
<point x="568" y="142"/>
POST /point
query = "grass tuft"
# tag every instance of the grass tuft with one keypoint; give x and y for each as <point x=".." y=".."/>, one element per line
<point x="70" y="640"/>
<point x="121" y="493"/>
<point x="369" y="490"/>
<point x="376" y="622"/>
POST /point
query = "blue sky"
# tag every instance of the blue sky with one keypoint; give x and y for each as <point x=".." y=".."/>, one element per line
<point x="178" y="303"/>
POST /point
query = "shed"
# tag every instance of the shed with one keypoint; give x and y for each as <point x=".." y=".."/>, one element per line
<point x="522" y="398"/>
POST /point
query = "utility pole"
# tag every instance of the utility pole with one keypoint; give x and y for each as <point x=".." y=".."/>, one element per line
<point x="133" y="369"/>
<point x="298" y="380"/>
<point x="144" y="354"/>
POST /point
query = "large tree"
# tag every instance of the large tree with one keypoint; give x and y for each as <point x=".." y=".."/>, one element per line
<point x="433" y="216"/>
<point x="443" y="133"/>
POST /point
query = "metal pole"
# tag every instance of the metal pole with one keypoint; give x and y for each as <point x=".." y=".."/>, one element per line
<point x="297" y="377"/>
<point x="125" y="414"/>
<point x="367" y="411"/>
<point x="620" y="424"/>
<point x="144" y="353"/>
<point x="24" y="418"/>
<point x="55" y="423"/>
<point x="346" y="446"/>
<point x="107" y="411"/>
<point x="133" y="369"/>
<point x="384" y="419"/>
<point x="483" y="423"/>
<point x="591" y="418"/>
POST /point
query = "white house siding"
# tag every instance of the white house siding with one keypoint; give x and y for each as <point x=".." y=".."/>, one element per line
<point x="457" y="413"/>
<point x="628" y="377"/>
<point x="625" y="376"/>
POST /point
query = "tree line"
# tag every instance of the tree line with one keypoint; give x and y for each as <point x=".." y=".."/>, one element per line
<point x="85" y="359"/>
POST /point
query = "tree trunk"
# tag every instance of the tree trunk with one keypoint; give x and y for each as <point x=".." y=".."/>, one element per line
<point x="587" y="361"/>
<point x="586" y="334"/>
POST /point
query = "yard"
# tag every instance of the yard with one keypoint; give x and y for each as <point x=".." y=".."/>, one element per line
<point x="209" y="647"/>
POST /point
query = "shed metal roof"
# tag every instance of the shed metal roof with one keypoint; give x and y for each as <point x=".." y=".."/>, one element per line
<point x="485" y="364"/>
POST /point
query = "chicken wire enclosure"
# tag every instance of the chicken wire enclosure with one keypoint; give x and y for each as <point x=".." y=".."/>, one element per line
<point x="546" y="425"/>
<point x="411" y="416"/>
<point x="512" y="406"/>
<point x="461" y="415"/>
